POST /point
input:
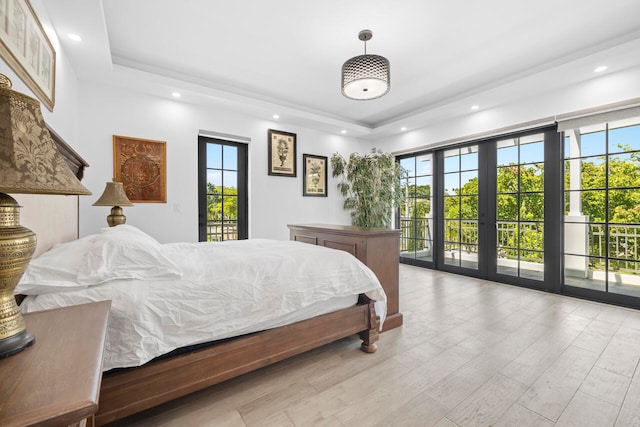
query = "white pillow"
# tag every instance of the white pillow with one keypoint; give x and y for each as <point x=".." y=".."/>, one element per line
<point x="129" y="232"/>
<point x="125" y="252"/>
<point x="55" y="270"/>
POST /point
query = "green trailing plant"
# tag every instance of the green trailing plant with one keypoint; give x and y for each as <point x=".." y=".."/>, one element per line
<point x="370" y="184"/>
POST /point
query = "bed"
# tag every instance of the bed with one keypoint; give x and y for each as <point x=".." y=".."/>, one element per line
<point x="173" y="328"/>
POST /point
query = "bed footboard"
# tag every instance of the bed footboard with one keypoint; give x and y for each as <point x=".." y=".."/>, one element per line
<point x="133" y="390"/>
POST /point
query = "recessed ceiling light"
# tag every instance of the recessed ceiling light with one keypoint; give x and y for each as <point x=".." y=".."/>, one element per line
<point x="176" y="94"/>
<point x="276" y="116"/>
<point x="600" y="69"/>
<point x="343" y="131"/>
<point x="475" y="107"/>
<point x="75" y="37"/>
<point x="403" y="128"/>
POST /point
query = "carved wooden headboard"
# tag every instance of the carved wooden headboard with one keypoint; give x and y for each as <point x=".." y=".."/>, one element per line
<point x="53" y="218"/>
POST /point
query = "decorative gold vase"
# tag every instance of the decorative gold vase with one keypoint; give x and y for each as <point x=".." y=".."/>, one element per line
<point x="17" y="244"/>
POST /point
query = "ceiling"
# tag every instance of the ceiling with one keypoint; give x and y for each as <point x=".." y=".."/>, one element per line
<point x="284" y="56"/>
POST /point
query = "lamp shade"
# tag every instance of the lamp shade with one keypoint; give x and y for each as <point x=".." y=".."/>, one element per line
<point x="366" y="76"/>
<point x="113" y="195"/>
<point x="29" y="159"/>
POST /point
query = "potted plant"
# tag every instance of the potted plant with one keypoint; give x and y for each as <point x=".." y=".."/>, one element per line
<point x="370" y="184"/>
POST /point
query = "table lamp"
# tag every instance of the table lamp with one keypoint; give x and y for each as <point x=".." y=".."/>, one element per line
<point x="29" y="164"/>
<point x="115" y="196"/>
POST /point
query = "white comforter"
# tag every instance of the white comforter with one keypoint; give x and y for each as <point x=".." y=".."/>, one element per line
<point x="215" y="291"/>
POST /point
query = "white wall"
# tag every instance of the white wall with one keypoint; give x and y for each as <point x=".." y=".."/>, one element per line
<point x="546" y="101"/>
<point x="63" y="117"/>
<point x="274" y="202"/>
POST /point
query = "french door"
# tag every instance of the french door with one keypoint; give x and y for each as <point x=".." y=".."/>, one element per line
<point x="459" y="225"/>
<point x="222" y="190"/>
<point x="497" y="209"/>
<point x="525" y="209"/>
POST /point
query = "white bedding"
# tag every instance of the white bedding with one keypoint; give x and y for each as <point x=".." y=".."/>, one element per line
<point x="212" y="290"/>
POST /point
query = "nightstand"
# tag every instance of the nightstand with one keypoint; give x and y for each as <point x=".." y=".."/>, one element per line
<point x="56" y="381"/>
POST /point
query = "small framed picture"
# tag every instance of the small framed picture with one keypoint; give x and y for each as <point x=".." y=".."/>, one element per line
<point x="282" y="153"/>
<point x="314" y="182"/>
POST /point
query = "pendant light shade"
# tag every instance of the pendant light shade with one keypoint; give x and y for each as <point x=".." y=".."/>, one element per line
<point x="365" y="76"/>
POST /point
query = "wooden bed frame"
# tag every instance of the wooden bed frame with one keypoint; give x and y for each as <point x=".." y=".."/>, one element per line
<point x="129" y="391"/>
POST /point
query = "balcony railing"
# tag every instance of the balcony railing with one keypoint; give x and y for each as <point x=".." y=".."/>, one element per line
<point x="624" y="247"/>
<point x="415" y="234"/>
<point x="524" y="241"/>
<point x="520" y="240"/>
<point x="218" y="231"/>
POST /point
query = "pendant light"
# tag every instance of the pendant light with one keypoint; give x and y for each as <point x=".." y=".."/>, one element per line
<point x="365" y="76"/>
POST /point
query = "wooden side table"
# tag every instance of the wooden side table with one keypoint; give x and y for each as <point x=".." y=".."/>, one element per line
<point x="377" y="248"/>
<point x="56" y="381"/>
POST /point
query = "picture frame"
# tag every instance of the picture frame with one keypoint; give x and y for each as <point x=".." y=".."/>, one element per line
<point x="314" y="182"/>
<point x="25" y="47"/>
<point x="141" y="166"/>
<point x="282" y="153"/>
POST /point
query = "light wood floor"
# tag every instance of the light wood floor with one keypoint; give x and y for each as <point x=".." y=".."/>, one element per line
<point x="470" y="353"/>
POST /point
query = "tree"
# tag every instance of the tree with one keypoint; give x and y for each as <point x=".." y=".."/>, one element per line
<point x="370" y="184"/>
<point x="222" y="203"/>
<point x="623" y="175"/>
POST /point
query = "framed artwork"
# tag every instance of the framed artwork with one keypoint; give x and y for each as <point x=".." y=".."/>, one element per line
<point x="141" y="166"/>
<point x="27" y="50"/>
<point x="314" y="182"/>
<point x="282" y="153"/>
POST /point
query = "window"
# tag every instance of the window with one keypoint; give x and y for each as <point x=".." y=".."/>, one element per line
<point x="602" y="207"/>
<point x="461" y="207"/>
<point x="520" y="203"/>
<point x="416" y="219"/>
<point x="222" y="190"/>
<point x="489" y="209"/>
